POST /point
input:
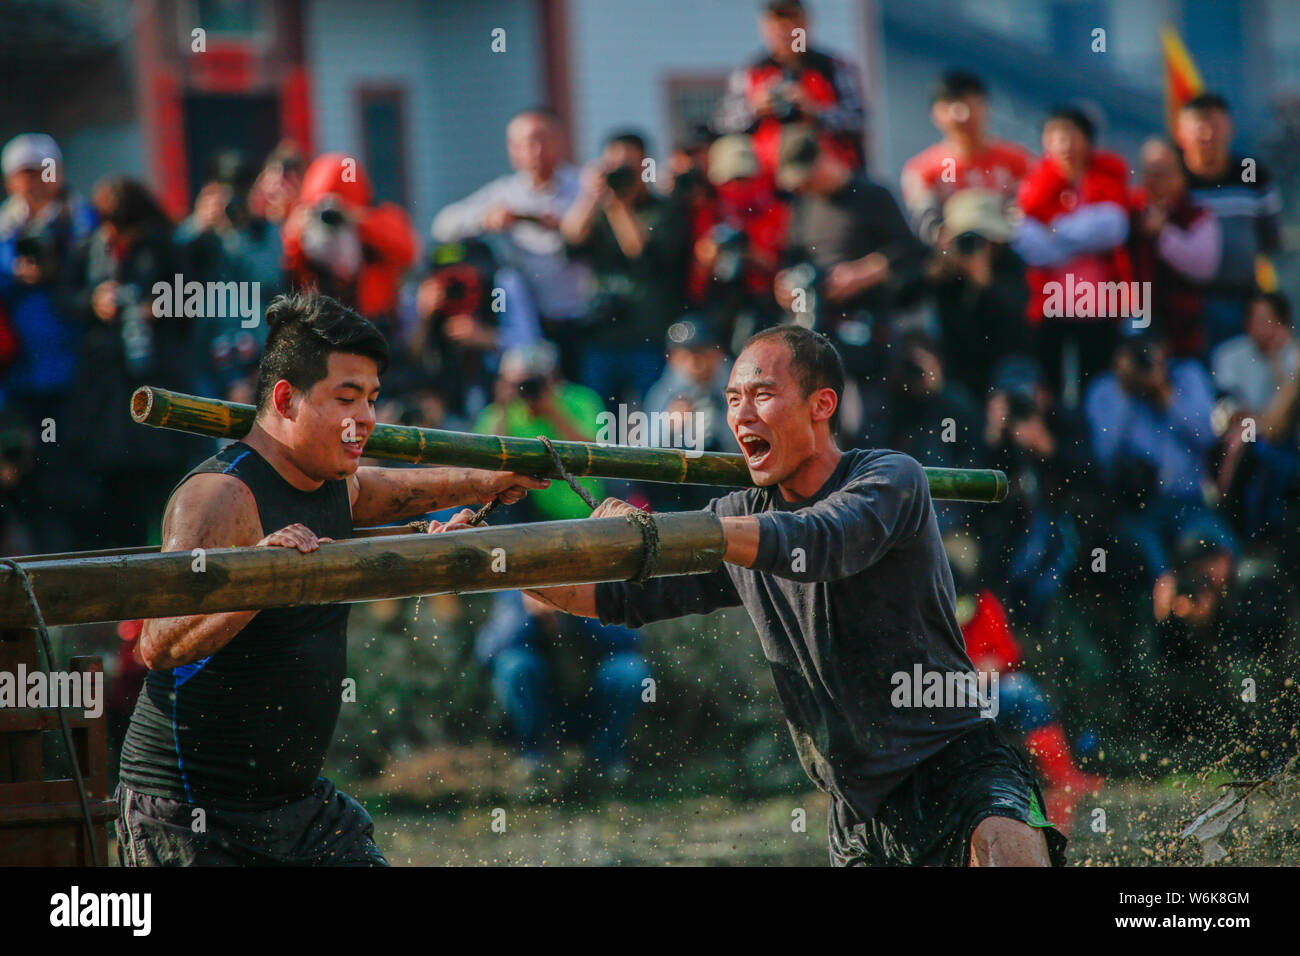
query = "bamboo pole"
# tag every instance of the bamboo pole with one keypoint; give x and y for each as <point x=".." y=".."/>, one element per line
<point x="126" y="587"/>
<point x="384" y="531"/>
<point x="209" y="416"/>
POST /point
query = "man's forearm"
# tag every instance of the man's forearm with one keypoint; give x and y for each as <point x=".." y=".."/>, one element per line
<point x="391" y="494"/>
<point x="628" y="229"/>
<point x="741" y="535"/>
<point x="176" y="641"/>
<point x="576" y="599"/>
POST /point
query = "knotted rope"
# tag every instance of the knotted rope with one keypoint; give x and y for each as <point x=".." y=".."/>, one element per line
<point x="641" y="519"/>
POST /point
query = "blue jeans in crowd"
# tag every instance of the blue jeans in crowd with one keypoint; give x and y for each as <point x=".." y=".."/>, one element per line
<point x="523" y="685"/>
<point x="621" y="375"/>
<point x="1022" y="707"/>
<point x="1152" y="532"/>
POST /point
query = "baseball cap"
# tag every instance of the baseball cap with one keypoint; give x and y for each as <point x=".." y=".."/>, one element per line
<point x="978" y="211"/>
<point x="796" y="157"/>
<point x="525" y="361"/>
<point x="692" y="332"/>
<point x="29" y="151"/>
<point x="732" y="157"/>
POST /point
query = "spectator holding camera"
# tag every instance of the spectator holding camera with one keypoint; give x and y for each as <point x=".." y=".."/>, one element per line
<point x="636" y="243"/>
<point x="532" y="398"/>
<point x="339" y="241"/>
<point x="966" y="158"/>
<point x="736" y="255"/>
<point x="794" y="83"/>
<point x="560" y="678"/>
<point x="128" y="343"/>
<point x="1149" y="418"/>
<point x="520" y="215"/>
<point x="41" y="225"/>
<point x="224" y="240"/>
<point x="1044" y="448"/>
<point x="1258" y="376"/>
<point x="852" y="259"/>
<point x="978" y="284"/>
<point x="1175" y="245"/>
<point x="464" y="324"/>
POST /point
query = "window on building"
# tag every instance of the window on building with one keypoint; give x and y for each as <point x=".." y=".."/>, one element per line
<point x="692" y="101"/>
<point x="383" y="139"/>
<point x="230" y="18"/>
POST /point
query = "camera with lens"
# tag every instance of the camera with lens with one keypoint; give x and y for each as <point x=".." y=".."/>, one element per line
<point x="731" y="244"/>
<point x="1020" y="407"/>
<point x="531" y="388"/>
<point x="968" y="243"/>
<point x="784" y="108"/>
<point x="621" y="180"/>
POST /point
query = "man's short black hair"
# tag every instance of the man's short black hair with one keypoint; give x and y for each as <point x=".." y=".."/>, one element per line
<point x="813" y="359"/>
<point x="1206" y="101"/>
<point x="1075" y="117"/>
<point x="628" y="137"/>
<point x="305" y="328"/>
<point x="545" y="112"/>
<point x="955" y="84"/>
<point x="1278" y="304"/>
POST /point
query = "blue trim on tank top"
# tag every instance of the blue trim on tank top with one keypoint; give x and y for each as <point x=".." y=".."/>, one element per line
<point x="230" y="466"/>
<point x="176" y="738"/>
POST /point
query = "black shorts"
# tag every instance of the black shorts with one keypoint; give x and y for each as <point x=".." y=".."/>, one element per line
<point x="928" y="820"/>
<point x="325" y="828"/>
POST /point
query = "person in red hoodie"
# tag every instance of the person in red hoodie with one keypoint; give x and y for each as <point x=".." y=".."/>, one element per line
<point x="337" y="240"/>
<point x="1023" y="708"/>
<point x="1076" y="221"/>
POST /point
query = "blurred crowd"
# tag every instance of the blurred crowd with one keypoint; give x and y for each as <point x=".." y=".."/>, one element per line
<point x="1101" y="327"/>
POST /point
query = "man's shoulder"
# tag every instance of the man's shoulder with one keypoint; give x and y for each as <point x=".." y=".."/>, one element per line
<point x="1233" y="350"/>
<point x="882" y="463"/>
<point x="745" y="501"/>
<point x="928" y="163"/>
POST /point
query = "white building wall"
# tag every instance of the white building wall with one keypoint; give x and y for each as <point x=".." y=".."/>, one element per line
<point x="622" y="54"/>
<point x="459" y="94"/>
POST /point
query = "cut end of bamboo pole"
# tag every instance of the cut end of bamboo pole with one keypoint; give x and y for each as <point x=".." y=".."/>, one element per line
<point x="142" y="404"/>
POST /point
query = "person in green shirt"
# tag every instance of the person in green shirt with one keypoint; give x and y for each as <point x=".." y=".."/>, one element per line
<point x="533" y="399"/>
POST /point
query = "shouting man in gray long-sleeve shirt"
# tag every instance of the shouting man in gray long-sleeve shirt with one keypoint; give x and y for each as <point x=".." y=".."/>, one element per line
<point x="838" y="560"/>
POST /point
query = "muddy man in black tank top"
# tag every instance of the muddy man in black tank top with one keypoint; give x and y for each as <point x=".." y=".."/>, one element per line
<point x="239" y="708"/>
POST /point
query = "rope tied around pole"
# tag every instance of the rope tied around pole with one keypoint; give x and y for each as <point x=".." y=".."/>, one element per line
<point x="641" y="519"/>
<point x="63" y="719"/>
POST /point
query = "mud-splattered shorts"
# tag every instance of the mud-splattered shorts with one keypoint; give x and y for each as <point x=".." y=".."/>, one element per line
<point x="325" y="828"/>
<point x="928" y="820"/>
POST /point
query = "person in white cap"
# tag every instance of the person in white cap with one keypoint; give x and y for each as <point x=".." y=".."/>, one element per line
<point x="41" y="224"/>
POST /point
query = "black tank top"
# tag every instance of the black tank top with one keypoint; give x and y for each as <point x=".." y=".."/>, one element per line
<point x="248" y="726"/>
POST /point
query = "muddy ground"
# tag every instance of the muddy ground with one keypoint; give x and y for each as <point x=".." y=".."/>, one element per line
<point x="457" y="808"/>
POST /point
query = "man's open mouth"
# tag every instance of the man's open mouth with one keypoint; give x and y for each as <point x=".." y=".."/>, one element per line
<point x="756" y="449"/>
<point x="354" y="447"/>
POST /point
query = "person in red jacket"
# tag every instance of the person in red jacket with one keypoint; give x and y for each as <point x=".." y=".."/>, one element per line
<point x="966" y="158"/>
<point x="1075" y="205"/>
<point x="794" y="82"/>
<point x="338" y="241"/>
<point x="1022" y="705"/>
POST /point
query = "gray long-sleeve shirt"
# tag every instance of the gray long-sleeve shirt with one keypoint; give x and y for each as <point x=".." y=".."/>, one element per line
<point x="850" y="588"/>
